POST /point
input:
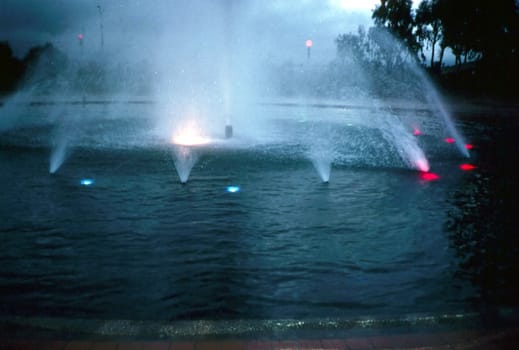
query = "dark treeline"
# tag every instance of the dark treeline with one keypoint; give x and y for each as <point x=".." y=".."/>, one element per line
<point x="46" y="68"/>
<point x="11" y="68"/>
<point x="482" y="35"/>
<point x="15" y="71"/>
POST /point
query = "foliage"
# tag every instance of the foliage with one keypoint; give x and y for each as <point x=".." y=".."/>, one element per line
<point x="11" y="69"/>
<point x="429" y="27"/>
<point x="397" y="17"/>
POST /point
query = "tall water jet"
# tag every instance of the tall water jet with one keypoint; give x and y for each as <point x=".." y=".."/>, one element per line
<point x="435" y="99"/>
<point x="408" y="149"/>
<point x="322" y="150"/>
<point x="185" y="141"/>
<point x="322" y="162"/>
<point x="61" y="143"/>
<point x="185" y="158"/>
<point x="58" y="154"/>
<point x="226" y="66"/>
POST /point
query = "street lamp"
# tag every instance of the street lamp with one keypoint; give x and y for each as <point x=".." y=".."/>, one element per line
<point x="308" y="44"/>
<point x="101" y="28"/>
<point x="80" y="41"/>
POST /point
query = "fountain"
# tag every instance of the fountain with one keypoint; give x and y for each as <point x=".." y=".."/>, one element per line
<point x="322" y="161"/>
<point x="185" y="159"/>
<point x="58" y="154"/>
<point x="185" y="141"/>
<point x="235" y="83"/>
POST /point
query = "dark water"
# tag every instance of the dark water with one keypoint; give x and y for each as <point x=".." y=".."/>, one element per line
<point x="377" y="241"/>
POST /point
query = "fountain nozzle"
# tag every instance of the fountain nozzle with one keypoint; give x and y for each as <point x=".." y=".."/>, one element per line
<point x="228" y="131"/>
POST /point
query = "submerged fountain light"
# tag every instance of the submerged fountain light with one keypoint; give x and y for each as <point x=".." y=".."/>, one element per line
<point x="449" y="140"/>
<point x="233" y="189"/>
<point x="86" y="182"/>
<point x="469" y="146"/>
<point x="428" y="176"/>
<point x="467" y="167"/>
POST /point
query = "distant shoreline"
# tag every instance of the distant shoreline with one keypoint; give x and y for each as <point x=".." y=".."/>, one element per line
<point x="455" y="104"/>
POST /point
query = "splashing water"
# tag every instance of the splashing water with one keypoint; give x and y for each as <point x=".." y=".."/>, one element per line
<point x="58" y="155"/>
<point x="323" y="165"/>
<point x="185" y="158"/>
<point x="436" y="100"/>
<point x="406" y="145"/>
<point x="322" y="159"/>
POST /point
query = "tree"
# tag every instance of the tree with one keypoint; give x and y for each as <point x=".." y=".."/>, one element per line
<point x="397" y="17"/>
<point x="351" y="46"/>
<point x="480" y="29"/>
<point x="11" y="69"/>
<point x="45" y="62"/>
<point x="459" y="32"/>
<point x="429" y="26"/>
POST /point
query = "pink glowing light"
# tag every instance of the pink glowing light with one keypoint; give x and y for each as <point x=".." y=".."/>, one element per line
<point x="416" y="132"/>
<point x="469" y="146"/>
<point x="309" y="43"/>
<point x="427" y="176"/>
<point x="80" y="37"/>
<point x="449" y="140"/>
<point x="467" y="167"/>
<point x="422" y="165"/>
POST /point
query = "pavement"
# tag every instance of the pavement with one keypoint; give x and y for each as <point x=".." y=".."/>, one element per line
<point x="469" y="340"/>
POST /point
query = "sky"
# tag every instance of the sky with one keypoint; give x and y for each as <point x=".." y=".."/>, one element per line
<point x="279" y="27"/>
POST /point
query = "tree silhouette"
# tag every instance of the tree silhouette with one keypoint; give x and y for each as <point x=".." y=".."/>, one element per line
<point x="480" y="29"/>
<point x="429" y="27"/>
<point x="11" y="69"/>
<point x="397" y="17"/>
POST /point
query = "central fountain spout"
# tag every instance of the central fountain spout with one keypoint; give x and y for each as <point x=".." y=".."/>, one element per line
<point x="228" y="131"/>
<point x="185" y="141"/>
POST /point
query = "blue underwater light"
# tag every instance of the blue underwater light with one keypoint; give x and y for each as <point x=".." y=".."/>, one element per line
<point x="233" y="189"/>
<point x="86" y="182"/>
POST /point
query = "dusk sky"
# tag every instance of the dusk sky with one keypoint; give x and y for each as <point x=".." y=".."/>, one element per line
<point x="281" y="26"/>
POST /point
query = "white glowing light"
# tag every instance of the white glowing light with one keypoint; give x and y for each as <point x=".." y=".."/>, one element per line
<point x="190" y="135"/>
<point x="86" y="182"/>
<point x="233" y="189"/>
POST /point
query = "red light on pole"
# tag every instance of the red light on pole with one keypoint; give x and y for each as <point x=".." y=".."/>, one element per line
<point x="80" y="40"/>
<point x="308" y="44"/>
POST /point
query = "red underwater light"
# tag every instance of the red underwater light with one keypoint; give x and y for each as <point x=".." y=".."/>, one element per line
<point x="449" y="140"/>
<point x="427" y="176"/>
<point x="417" y="132"/>
<point x="467" y="167"/>
<point x="469" y="146"/>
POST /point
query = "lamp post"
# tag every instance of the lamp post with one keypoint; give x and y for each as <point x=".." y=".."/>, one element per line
<point x="101" y="24"/>
<point x="80" y="41"/>
<point x="308" y="44"/>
